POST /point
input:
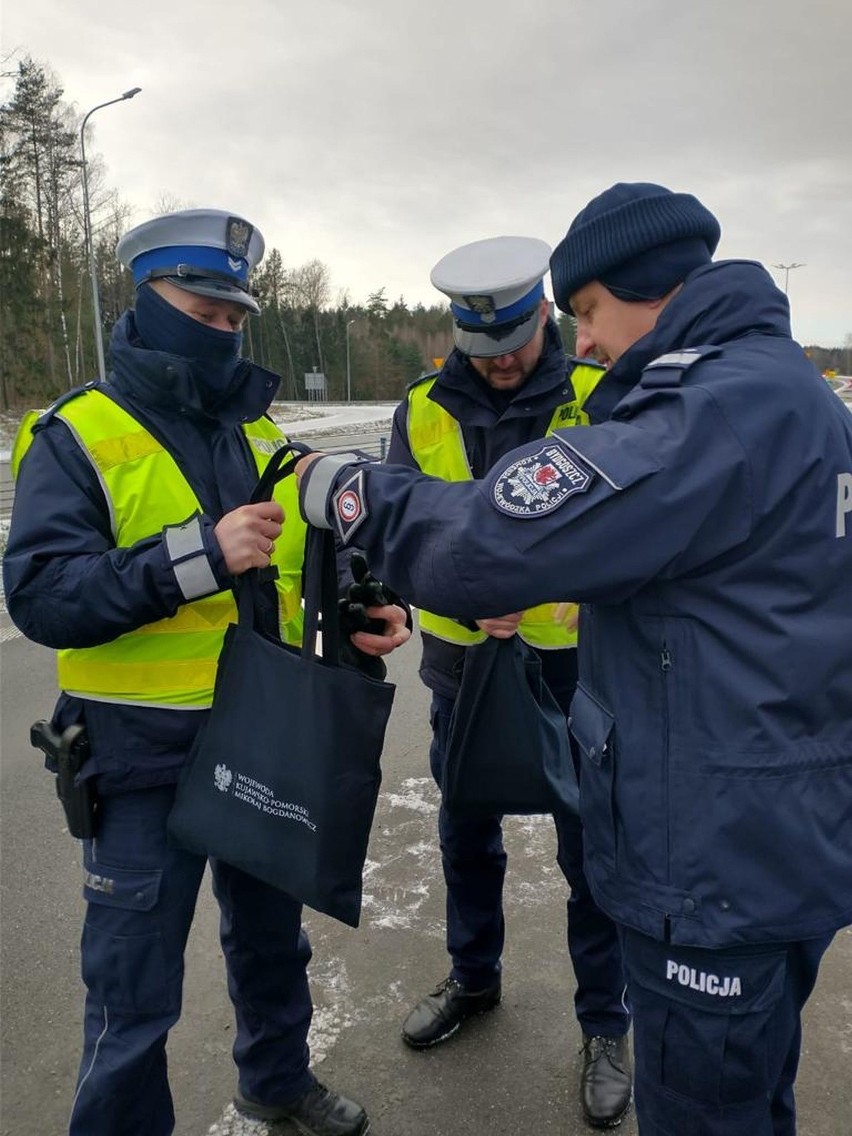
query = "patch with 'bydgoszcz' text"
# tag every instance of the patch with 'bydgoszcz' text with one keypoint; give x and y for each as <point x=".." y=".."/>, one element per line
<point x="539" y="483"/>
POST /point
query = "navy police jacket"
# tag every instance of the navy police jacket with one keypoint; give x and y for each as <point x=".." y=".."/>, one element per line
<point x="68" y="586"/>
<point x="706" y="527"/>
<point x="492" y="424"/>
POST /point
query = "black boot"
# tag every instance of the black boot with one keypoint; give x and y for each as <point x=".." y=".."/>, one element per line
<point x="319" y="1112"/>
<point x="606" y="1084"/>
<point x="441" y="1013"/>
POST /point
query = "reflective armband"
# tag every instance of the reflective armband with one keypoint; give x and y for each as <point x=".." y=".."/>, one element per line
<point x="318" y="485"/>
<point x="188" y="557"/>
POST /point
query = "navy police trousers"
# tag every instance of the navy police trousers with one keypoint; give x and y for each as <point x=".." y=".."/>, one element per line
<point x="141" y="897"/>
<point x="717" y="1034"/>
<point x="474" y="864"/>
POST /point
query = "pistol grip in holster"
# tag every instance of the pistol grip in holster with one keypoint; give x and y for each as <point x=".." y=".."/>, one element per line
<point x="68" y="751"/>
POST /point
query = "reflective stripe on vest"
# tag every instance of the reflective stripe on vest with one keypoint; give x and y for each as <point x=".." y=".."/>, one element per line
<point x="170" y="663"/>
<point x="437" y="444"/>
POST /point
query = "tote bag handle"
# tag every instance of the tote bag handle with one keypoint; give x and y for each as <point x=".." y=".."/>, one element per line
<point x="277" y="468"/>
<point x="321" y="597"/>
<point x="320" y="570"/>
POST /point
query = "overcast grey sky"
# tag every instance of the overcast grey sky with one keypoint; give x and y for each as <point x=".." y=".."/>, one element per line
<point x="377" y="135"/>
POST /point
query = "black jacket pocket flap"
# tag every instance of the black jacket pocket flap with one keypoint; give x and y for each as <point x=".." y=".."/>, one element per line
<point x="591" y="725"/>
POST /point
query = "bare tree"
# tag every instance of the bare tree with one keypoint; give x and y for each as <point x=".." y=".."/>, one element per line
<point x="275" y="289"/>
<point x="313" y="288"/>
<point x="166" y="202"/>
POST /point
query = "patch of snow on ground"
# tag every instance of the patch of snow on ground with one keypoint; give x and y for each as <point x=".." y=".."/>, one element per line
<point x="414" y="796"/>
<point x="230" y="1123"/>
<point x="299" y="420"/>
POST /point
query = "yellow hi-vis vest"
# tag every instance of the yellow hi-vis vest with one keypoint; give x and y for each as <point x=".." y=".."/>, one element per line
<point x="437" y="444"/>
<point x="170" y="663"/>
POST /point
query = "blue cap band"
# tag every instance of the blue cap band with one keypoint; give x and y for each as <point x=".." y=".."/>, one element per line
<point x="198" y="256"/>
<point x="473" y="319"/>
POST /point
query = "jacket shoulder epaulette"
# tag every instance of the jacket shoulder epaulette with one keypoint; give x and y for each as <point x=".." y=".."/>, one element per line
<point x="668" y="370"/>
<point x="67" y="396"/>
<point x="578" y="361"/>
<point x="422" y="379"/>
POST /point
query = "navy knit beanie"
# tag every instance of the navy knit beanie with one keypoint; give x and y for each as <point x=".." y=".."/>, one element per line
<point x="638" y="239"/>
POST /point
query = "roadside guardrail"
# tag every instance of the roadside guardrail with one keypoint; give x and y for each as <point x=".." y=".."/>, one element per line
<point x="7" y="487"/>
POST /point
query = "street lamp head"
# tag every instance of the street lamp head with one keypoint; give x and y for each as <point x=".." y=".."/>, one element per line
<point x="87" y="226"/>
<point x="785" y="268"/>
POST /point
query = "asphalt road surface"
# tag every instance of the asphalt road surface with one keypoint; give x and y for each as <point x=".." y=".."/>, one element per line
<point x="511" y="1072"/>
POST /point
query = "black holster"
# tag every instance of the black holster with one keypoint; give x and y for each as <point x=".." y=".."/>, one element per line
<point x="68" y="752"/>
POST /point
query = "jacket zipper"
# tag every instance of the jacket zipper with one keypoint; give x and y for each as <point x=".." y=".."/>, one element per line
<point x="665" y="667"/>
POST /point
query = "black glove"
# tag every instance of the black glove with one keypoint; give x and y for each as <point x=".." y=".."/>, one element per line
<point x="366" y="591"/>
<point x="372" y="665"/>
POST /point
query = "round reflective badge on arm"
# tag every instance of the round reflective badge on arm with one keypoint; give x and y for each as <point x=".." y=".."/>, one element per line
<point x="350" y="506"/>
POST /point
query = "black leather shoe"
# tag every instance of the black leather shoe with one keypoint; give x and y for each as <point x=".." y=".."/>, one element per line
<point x="319" y="1112"/>
<point x="606" y="1084"/>
<point x="441" y="1013"/>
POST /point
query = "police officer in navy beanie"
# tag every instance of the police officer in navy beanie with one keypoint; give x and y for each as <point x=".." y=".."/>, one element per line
<point x="703" y="520"/>
<point x="130" y="530"/>
<point x="639" y="240"/>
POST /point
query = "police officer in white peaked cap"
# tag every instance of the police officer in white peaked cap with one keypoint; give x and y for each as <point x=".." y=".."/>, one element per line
<point x="495" y="288"/>
<point x="507" y="383"/>
<point x="133" y="515"/>
<point x="206" y="251"/>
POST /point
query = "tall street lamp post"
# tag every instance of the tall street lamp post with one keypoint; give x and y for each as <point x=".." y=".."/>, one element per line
<point x="785" y="268"/>
<point x="348" y="367"/>
<point x="87" y="227"/>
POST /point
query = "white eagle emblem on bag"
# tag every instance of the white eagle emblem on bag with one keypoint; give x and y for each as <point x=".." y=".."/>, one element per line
<point x="222" y="777"/>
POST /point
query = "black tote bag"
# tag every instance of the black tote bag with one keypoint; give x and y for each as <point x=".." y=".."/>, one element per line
<point x="283" y="778"/>
<point x="508" y="749"/>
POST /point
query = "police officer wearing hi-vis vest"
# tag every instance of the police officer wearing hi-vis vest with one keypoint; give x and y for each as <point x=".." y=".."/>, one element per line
<point x="129" y="531"/>
<point x="706" y="528"/>
<point x="506" y="382"/>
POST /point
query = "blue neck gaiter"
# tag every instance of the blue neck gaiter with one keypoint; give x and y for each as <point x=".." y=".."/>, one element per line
<point x="213" y="354"/>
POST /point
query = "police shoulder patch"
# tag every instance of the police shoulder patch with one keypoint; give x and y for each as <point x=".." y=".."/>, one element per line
<point x="538" y="483"/>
